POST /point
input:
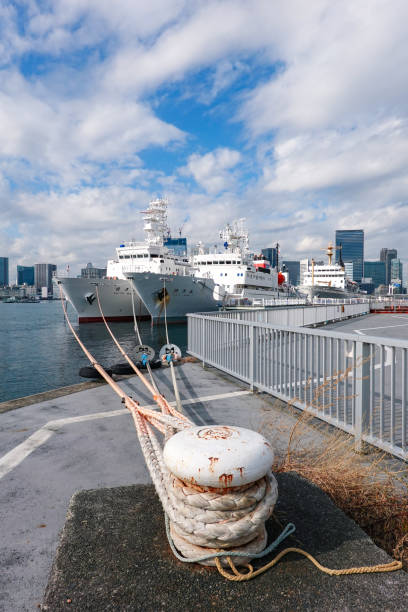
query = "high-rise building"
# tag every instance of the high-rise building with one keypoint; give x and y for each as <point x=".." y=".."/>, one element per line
<point x="352" y="250"/>
<point x="293" y="269"/>
<point x="376" y="271"/>
<point x="90" y="272"/>
<point x="396" y="270"/>
<point x="271" y="254"/>
<point x="25" y="275"/>
<point x="4" y="271"/>
<point x="349" y="269"/>
<point x="177" y="245"/>
<point x="43" y="276"/>
<point x="387" y="255"/>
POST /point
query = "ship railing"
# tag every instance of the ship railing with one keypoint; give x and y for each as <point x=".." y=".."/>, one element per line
<point x="353" y="300"/>
<point x="265" y="302"/>
<point x="358" y="384"/>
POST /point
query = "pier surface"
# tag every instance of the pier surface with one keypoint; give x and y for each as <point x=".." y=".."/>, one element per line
<point x="114" y="555"/>
<point x="87" y="441"/>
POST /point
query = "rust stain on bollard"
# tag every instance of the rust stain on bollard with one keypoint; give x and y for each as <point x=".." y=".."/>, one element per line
<point x="226" y="479"/>
<point x="212" y="460"/>
<point x="215" y="433"/>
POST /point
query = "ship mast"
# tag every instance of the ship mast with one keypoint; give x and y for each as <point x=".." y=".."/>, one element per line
<point x="155" y="221"/>
<point x="235" y="237"/>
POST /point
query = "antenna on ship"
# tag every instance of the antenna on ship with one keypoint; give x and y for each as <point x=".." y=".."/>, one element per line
<point x="329" y="252"/>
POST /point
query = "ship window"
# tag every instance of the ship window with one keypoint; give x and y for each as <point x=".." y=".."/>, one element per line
<point x="153" y="255"/>
<point x="146" y="255"/>
<point x="221" y="262"/>
<point x="228" y="262"/>
<point x="162" y="261"/>
<point x="120" y="256"/>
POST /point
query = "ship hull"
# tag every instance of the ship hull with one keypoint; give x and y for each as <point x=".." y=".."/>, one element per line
<point x="321" y="291"/>
<point x="115" y="297"/>
<point x="183" y="294"/>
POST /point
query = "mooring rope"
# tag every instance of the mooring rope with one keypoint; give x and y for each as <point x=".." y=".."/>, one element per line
<point x="173" y="375"/>
<point x="199" y="519"/>
<point x="136" y="328"/>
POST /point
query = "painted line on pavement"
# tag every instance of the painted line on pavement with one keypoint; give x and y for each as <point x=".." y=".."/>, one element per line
<point x="14" y="457"/>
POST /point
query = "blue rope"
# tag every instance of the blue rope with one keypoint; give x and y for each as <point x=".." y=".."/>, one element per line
<point x="289" y="529"/>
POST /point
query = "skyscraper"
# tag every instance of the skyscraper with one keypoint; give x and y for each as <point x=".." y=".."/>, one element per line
<point x="352" y="250"/>
<point x="396" y="270"/>
<point x="25" y="275"/>
<point x="376" y="271"/>
<point x="4" y="271"/>
<point x="43" y="276"/>
<point x="387" y="255"/>
<point x="293" y="269"/>
<point x="271" y="254"/>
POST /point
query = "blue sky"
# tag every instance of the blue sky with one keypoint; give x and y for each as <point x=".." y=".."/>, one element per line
<point x="290" y="114"/>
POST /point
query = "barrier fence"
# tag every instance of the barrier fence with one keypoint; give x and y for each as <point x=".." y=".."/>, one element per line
<point x="298" y="315"/>
<point x="358" y="384"/>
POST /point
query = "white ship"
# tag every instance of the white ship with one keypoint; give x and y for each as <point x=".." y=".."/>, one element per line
<point x="115" y="290"/>
<point x="326" y="280"/>
<point x="212" y="279"/>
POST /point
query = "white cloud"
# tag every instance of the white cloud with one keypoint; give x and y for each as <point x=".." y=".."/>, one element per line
<point x="212" y="170"/>
<point x="327" y="129"/>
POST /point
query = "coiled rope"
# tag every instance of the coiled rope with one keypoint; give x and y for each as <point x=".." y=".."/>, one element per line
<point x="201" y="520"/>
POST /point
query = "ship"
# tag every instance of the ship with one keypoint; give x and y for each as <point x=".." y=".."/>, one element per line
<point x="319" y="280"/>
<point x="114" y="289"/>
<point x="213" y="279"/>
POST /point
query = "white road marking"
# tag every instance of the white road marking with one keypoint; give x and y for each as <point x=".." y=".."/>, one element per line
<point x="361" y="331"/>
<point x="14" y="457"/>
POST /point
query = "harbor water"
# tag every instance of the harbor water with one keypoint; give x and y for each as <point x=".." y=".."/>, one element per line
<point x="38" y="351"/>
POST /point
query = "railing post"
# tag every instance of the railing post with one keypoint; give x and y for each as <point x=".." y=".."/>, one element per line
<point x="202" y="319"/>
<point x="251" y="357"/>
<point x="362" y="400"/>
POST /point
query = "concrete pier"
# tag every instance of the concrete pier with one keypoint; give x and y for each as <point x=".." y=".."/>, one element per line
<point x="85" y="441"/>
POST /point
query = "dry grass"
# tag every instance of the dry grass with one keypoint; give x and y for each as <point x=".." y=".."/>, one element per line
<point x="365" y="488"/>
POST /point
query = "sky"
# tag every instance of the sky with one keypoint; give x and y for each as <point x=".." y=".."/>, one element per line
<point x="291" y="114"/>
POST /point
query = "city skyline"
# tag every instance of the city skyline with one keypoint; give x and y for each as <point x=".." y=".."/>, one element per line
<point x="291" y="115"/>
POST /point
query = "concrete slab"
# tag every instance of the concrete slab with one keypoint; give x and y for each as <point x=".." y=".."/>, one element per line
<point x="90" y="454"/>
<point x="35" y="493"/>
<point x="114" y="555"/>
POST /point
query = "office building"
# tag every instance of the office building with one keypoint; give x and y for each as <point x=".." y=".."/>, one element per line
<point x="43" y="277"/>
<point x="25" y="275"/>
<point x="271" y="254"/>
<point x="352" y="250"/>
<point x="367" y="285"/>
<point x="396" y="270"/>
<point x="293" y="269"/>
<point x="376" y="271"/>
<point x="349" y="269"/>
<point x="90" y="272"/>
<point x="4" y="272"/>
<point x="177" y="245"/>
<point x="387" y="255"/>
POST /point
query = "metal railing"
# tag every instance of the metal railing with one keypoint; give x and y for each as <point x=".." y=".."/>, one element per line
<point x="358" y="384"/>
<point x="298" y="315"/>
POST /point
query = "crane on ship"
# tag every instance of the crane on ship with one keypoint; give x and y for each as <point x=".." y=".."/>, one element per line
<point x="329" y="250"/>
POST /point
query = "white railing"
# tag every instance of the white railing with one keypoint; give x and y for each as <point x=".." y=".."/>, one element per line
<point x="298" y="316"/>
<point x="282" y="301"/>
<point x="358" y="384"/>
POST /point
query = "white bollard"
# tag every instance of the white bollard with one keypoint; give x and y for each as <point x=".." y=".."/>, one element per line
<point x="220" y="456"/>
<point x="222" y="491"/>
